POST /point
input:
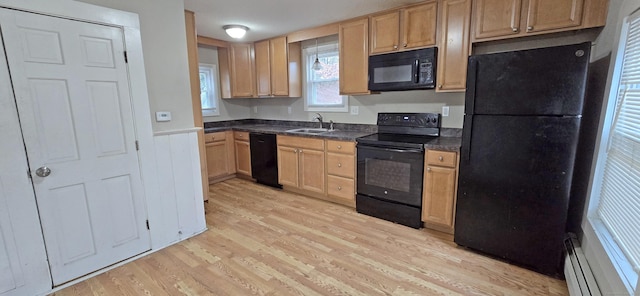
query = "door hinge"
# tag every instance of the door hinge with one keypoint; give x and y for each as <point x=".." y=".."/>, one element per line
<point x="126" y="59"/>
<point x="148" y="225"/>
<point x="137" y="146"/>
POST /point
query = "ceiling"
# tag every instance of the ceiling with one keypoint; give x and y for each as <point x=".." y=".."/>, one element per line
<point x="270" y="18"/>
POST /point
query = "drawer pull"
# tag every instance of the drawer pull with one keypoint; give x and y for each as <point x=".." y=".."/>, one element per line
<point x="339" y="146"/>
<point x="428" y="169"/>
<point x="339" y="165"/>
<point x="440" y="158"/>
<point x="529" y="28"/>
<point x="514" y="29"/>
<point x="339" y="187"/>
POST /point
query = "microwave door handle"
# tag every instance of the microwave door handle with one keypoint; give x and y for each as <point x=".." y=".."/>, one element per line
<point x="416" y="68"/>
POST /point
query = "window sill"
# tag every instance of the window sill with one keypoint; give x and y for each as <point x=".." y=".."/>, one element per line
<point x="623" y="277"/>
<point x="209" y="112"/>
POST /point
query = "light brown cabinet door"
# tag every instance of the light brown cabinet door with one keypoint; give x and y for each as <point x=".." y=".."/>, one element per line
<point x="439" y="195"/>
<point x="241" y="70"/>
<point x="453" y="42"/>
<point x="384" y="32"/>
<point x="312" y="172"/>
<point x="243" y="158"/>
<point x="217" y="159"/>
<point x="546" y="15"/>
<point x="419" y="26"/>
<point x="496" y="18"/>
<point x="278" y="55"/>
<point x="354" y="57"/>
<point x="263" y="68"/>
<point x="288" y="166"/>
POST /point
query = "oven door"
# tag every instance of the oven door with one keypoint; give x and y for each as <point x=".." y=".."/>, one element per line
<point x="391" y="174"/>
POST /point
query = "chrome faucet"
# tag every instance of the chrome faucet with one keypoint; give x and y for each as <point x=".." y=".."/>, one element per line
<point x="330" y="125"/>
<point x="319" y="118"/>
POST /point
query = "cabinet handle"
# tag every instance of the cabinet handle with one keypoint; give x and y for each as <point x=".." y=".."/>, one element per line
<point x="404" y="45"/>
<point x="514" y="29"/>
<point x="395" y="47"/>
<point x="339" y="146"/>
<point x="295" y="150"/>
<point x="300" y="151"/>
<point x="428" y="169"/>
<point x="339" y="165"/>
<point x="439" y="85"/>
<point x="339" y="187"/>
<point x="440" y="158"/>
<point x="529" y="28"/>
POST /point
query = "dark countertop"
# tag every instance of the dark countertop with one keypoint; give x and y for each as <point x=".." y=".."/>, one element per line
<point x="344" y="132"/>
<point x="282" y="130"/>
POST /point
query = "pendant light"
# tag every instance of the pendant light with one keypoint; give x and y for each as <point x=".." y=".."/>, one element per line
<point x="316" y="65"/>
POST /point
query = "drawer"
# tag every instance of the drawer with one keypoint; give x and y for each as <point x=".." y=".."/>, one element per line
<point x="340" y="164"/>
<point x="341" y="147"/>
<point x="441" y="158"/>
<point x="242" y="136"/>
<point x="214" y="137"/>
<point x="341" y="187"/>
<point x="301" y="142"/>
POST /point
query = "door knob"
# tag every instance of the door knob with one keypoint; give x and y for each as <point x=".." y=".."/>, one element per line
<point x="43" y="171"/>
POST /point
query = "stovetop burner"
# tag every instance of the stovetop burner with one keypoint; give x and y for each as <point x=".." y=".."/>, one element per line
<point x="404" y="130"/>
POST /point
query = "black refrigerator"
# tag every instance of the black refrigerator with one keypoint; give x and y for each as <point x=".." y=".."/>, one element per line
<point x="523" y="112"/>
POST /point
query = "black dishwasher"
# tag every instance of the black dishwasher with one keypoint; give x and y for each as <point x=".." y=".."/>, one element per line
<point x="264" y="159"/>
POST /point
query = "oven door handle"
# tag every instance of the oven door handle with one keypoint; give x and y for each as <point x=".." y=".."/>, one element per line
<point x="391" y="149"/>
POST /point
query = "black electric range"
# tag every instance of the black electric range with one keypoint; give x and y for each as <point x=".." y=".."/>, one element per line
<point x="390" y="167"/>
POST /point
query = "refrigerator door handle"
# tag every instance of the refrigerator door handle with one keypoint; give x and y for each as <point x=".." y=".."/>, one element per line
<point x="470" y="96"/>
<point x="466" y="139"/>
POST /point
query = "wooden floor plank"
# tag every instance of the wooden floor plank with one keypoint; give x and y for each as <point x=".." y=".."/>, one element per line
<point x="264" y="241"/>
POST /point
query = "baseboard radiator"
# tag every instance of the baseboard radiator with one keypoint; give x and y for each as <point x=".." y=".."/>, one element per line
<point x="577" y="272"/>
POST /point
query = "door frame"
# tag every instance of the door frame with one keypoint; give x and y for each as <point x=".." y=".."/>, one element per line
<point x="130" y="25"/>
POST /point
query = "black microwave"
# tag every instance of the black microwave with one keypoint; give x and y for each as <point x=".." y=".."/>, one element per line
<point x="405" y="70"/>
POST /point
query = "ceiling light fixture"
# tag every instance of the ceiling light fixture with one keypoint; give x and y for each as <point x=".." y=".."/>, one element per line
<point x="236" y="31"/>
<point x="316" y="65"/>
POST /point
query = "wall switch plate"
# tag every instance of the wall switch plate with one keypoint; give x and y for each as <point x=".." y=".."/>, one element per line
<point x="163" y="116"/>
<point x="289" y="110"/>
<point x="255" y="109"/>
<point x="354" y="110"/>
<point x="445" y="111"/>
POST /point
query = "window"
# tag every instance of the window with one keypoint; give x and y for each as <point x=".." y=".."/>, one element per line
<point x="322" y="87"/>
<point x="617" y="179"/>
<point x="209" y="90"/>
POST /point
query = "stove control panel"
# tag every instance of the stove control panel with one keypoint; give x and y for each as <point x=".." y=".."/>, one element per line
<point x="409" y="119"/>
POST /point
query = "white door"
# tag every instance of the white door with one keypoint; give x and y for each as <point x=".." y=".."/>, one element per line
<point x="71" y="87"/>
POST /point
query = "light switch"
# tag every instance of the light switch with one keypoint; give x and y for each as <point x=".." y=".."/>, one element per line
<point x="289" y="110"/>
<point x="163" y="116"/>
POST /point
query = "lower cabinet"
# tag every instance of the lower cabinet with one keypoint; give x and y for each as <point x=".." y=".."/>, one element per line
<point x="220" y="155"/>
<point x="243" y="153"/>
<point x="341" y="169"/>
<point x="301" y="163"/>
<point x="439" y="192"/>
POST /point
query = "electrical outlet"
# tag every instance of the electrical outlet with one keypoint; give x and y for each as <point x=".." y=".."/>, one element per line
<point x="289" y="110"/>
<point x="255" y="109"/>
<point x="354" y="110"/>
<point x="445" y="111"/>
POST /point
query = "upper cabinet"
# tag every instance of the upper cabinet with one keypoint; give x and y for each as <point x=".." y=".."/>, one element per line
<point x="272" y="63"/>
<point x="453" y="45"/>
<point x="266" y="68"/>
<point x="500" y="19"/>
<point x="404" y="29"/>
<point x="354" y="57"/>
<point x="241" y="70"/>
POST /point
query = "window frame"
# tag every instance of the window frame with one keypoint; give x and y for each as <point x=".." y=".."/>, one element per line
<point x="308" y="57"/>
<point x="214" y="96"/>
<point x="623" y="268"/>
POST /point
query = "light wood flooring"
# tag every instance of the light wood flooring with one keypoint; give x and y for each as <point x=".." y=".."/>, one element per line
<point x="268" y="242"/>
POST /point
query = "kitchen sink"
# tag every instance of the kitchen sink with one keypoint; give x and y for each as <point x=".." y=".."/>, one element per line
<point x="313" y="131"/>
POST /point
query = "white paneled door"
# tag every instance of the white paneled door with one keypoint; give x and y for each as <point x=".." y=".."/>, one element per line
<point x="71" y="88"/>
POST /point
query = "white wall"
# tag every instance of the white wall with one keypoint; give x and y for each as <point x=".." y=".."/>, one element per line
<point x="230" y="109"/>
<point x="164" y="43"/>
<point x="369" y="106"/>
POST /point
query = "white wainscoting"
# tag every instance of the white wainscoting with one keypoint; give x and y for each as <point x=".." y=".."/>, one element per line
<point x="179" y="188"/>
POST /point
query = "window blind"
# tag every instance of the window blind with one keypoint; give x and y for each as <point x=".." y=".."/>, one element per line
<point x="619" y="207"/>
